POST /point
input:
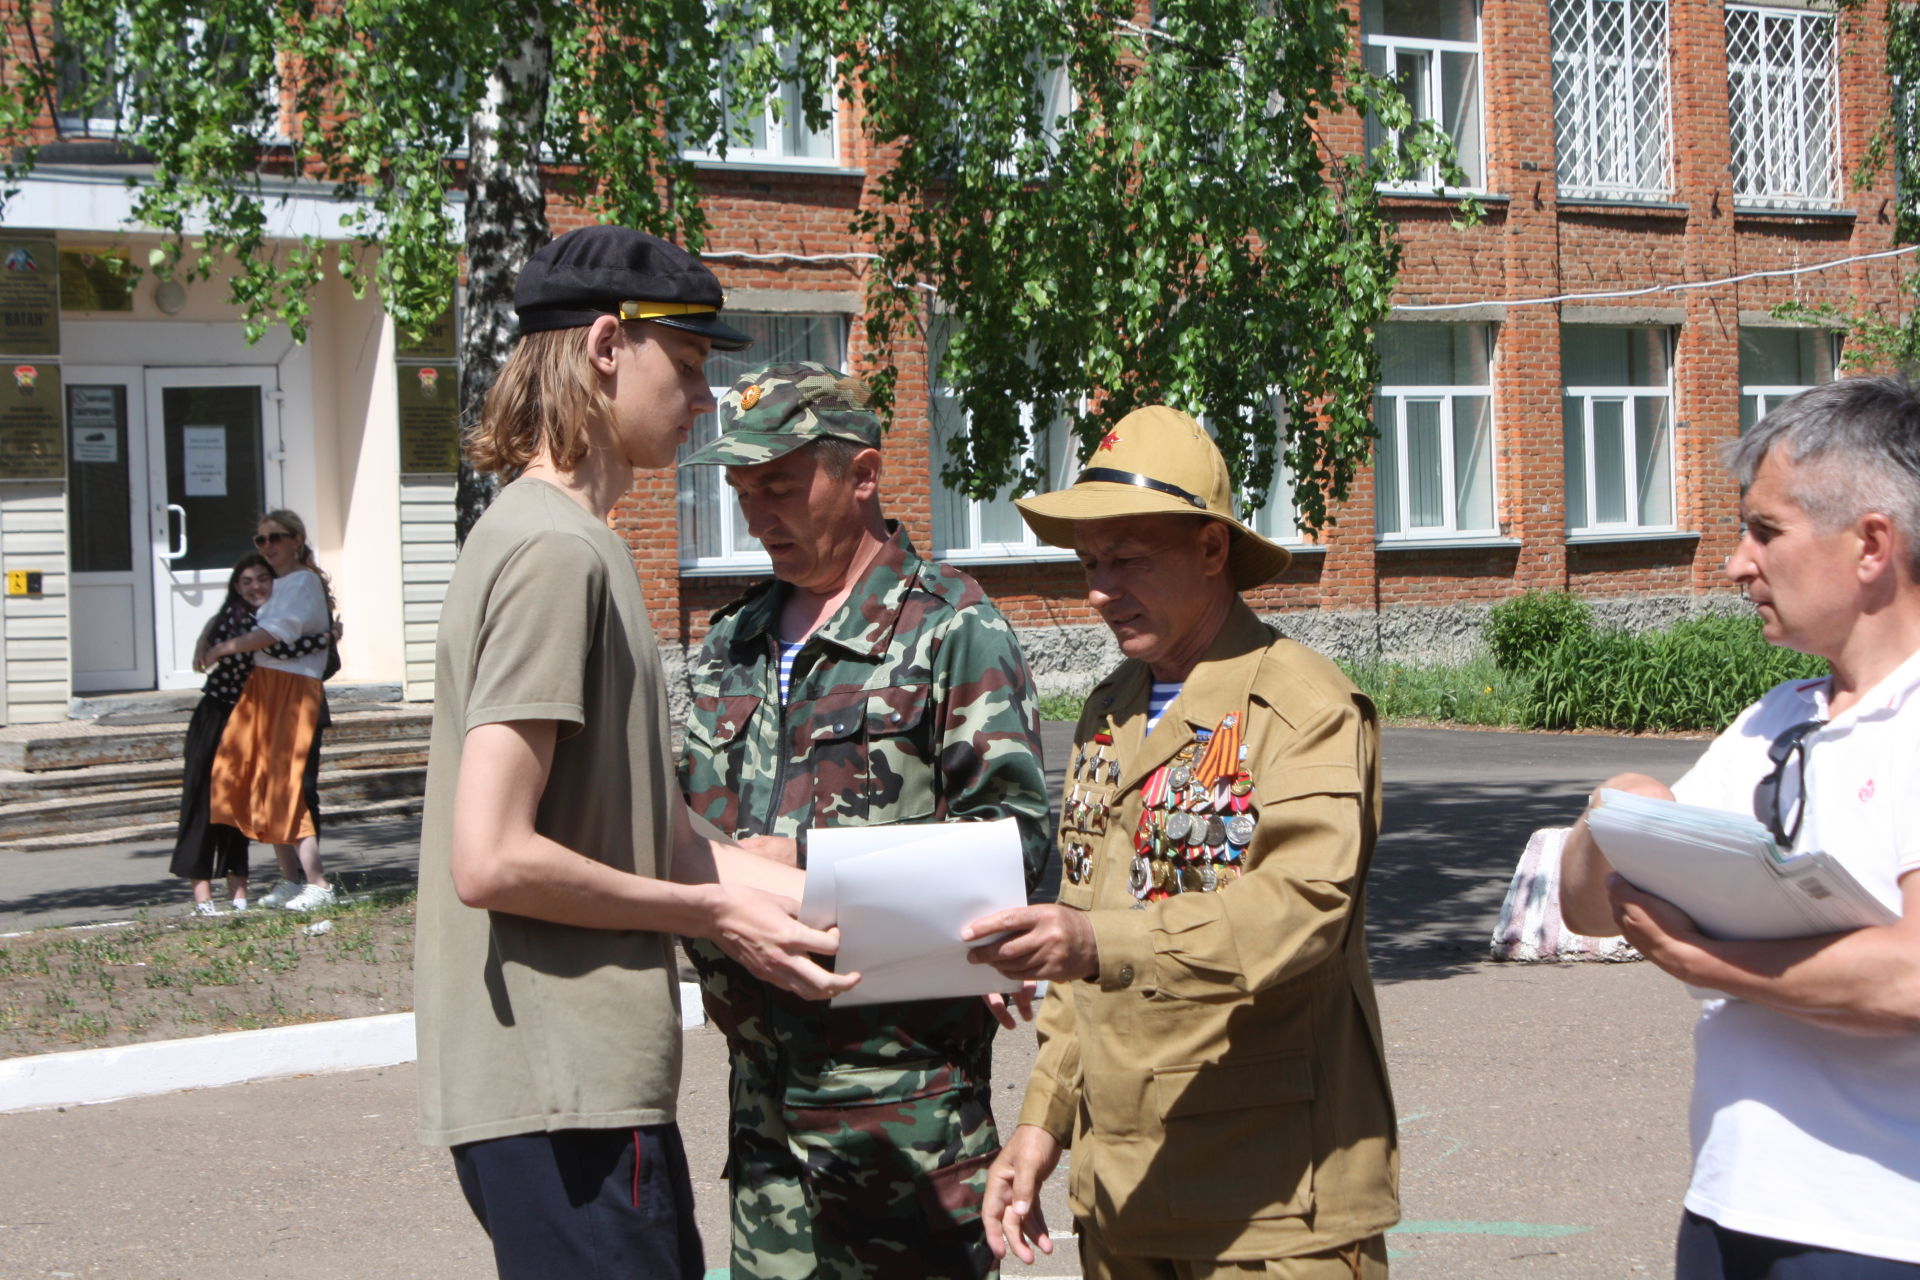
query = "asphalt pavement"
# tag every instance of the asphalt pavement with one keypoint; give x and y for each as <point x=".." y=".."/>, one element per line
<point x="1542" y="1108"/>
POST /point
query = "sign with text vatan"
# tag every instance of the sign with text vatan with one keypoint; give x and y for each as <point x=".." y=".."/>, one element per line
<point x="29" y="296"/>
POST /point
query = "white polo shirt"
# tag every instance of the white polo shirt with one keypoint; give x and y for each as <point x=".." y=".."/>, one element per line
<point x="1800" y="1133"/>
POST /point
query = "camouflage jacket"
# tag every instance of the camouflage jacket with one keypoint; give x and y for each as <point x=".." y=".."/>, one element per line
<point x="911" y="704"/>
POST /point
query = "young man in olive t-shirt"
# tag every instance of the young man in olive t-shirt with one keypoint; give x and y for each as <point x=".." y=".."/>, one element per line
<point x="557" y="857"/>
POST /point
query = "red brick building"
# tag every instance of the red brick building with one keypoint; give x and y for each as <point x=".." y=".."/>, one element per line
<point x="1656" y="176"/>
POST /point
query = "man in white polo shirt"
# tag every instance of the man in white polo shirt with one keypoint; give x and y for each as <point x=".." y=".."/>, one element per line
<point x="1806" y="1096"/>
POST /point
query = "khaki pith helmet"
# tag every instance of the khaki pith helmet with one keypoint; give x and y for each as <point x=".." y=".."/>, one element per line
<point x="1156" y="461"/>
<point x="770" y="412"/>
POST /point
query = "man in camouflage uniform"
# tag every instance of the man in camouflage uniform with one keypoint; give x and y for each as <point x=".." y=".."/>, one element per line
<point x="860" y="1136"/>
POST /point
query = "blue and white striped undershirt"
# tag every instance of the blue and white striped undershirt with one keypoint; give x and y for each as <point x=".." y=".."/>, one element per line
<point x="1160" y="699"/>
<point x="786" y="665"/>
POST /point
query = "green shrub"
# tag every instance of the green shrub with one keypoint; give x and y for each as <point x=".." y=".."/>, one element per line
<point x="1697" y="674"/>
<point x="1061" y="706"/>
<point x="1520" y="631"/>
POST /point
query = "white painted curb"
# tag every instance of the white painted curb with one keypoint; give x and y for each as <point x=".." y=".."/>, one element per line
<point x="87" y="1076"/>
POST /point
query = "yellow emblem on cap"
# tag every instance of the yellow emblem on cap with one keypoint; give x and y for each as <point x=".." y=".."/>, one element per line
<point x="750" y="397"/>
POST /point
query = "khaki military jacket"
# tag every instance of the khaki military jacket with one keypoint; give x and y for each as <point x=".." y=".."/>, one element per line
<point x="1222" y="1079"/>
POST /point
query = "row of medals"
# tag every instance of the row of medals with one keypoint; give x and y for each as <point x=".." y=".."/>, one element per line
<point x="1192" y="837"/>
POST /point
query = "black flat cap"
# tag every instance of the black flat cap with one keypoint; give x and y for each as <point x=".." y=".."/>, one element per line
<point x="615" y="271"/>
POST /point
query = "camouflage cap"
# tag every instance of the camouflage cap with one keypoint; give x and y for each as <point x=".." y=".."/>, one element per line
<point x="773" y="411"/>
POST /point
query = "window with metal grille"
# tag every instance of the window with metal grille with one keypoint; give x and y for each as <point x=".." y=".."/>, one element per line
<point x="1617" y="412"/>
<point x="1780" y="98"/>
<point x="1431" y="50"/>
<point x="1611" y="99"/>
<point x="713" y="532"/>
<point x="1433" y="467"/>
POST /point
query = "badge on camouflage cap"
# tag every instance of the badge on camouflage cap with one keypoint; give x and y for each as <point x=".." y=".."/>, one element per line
<point x="770" y="412"/>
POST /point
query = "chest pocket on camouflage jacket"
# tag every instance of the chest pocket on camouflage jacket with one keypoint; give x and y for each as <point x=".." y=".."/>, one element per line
<point x="724" y="775"/>
<point x="874" y="755"/>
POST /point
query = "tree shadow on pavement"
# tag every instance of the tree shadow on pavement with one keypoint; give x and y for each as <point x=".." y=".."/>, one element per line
<point x="1446" y="855"/>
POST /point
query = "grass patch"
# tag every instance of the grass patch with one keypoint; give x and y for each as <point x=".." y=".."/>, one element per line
<point x="1477" y="692"/>
<point x="157" y="980"/>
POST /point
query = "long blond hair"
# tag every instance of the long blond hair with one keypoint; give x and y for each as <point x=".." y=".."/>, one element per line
<point x="541" y="401"/>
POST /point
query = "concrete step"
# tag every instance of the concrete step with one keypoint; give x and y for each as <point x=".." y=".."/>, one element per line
<point x="79" y="744"/>
<point x="339" y="789"/>
<point x="165" y="774"/>
<point x="148" y="831"/>
<point x="149" y="705"/>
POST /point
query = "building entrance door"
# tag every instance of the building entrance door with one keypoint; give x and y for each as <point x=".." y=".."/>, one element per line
<point x="199" y="465"/>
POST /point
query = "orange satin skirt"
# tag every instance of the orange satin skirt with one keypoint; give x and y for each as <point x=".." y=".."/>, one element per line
<point x="262" y="759"/>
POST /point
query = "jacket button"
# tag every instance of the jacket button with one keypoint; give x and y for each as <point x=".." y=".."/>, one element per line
<point x="1126" y="975"/>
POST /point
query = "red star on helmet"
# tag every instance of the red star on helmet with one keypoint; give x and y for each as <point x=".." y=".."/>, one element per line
<point x="1112" y="439"/>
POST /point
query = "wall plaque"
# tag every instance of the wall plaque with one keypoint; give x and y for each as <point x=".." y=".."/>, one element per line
<point x="31" y="444"/>
<point x="429" y="418"/>
<point x="29" y="297"/>
<point x="434" y="344"/>
<point x="96" y="280"/>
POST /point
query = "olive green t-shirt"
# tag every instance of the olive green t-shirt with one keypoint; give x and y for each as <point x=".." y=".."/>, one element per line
<point x="525" y="1025"/>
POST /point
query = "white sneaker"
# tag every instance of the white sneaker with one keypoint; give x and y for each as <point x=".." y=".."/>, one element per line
<point x="282" y="894"/>
<point x="312" y="896"/>
<point x="206" y="909"/>
<point x="239" y="904"/>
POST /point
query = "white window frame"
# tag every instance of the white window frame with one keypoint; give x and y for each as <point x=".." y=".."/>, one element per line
<point x="1771" y="102"/>
<point x="1629" y="398"/>
<point x="1277" y="518"/>
<point x="1597" y="113"/>
<point x="272" y="103"/>
<point x="1450" y="528"/>
<point x="972" y="547"/>
<point x="775" y="152"/>
<point x="1434" y="106"/>
<point x="735" y="556"/>
<point x="1764" y="398"/>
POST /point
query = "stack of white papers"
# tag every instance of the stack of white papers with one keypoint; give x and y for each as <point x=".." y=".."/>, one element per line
<point x="1725" y="871"/>
<point x="901" y="895"/>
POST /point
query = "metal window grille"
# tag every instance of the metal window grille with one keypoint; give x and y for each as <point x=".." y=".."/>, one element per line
<point x="1611" y="98"/>
<point x="1780" y="91"/>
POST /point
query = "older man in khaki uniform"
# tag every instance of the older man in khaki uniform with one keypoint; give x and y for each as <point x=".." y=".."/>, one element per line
<point x="1210" y="1047"/>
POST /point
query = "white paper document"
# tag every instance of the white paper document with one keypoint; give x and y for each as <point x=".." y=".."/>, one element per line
<point x="1725" y="871"/>
<point x="901" y="895"/>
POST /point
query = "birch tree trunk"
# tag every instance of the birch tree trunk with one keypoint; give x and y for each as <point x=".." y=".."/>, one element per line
<point x="506" y="222"/>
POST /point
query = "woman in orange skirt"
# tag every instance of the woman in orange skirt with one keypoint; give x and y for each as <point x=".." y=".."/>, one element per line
<point x="264" y="770"/>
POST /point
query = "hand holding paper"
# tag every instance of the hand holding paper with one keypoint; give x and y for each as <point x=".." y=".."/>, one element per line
<point x="902" y="896"/>
<point x="1036" y="944"/>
